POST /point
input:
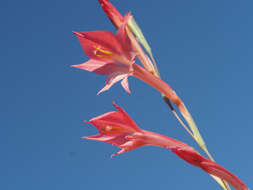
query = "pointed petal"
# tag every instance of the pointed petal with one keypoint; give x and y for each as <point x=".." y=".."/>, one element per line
<point x="112" y="79"/>
<point x="99" y="39"/>
<point x="125" y="84"/>
<point x="100" y="67"/>
<point x="109" y="118"/>
<point x="92" y="66"/>
<point x="89" y="47"/>
<point x="98" y="137"/>
<point x="128" y="120"/>
<point x="119" y="152"/>
<point x="115" y="124"/>
<point x="128" y="146"/>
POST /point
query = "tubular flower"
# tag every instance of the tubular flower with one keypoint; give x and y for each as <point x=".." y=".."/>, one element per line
<point x="119" y="129"/>
<point x="117" y="20"/>
<point x="115" y="128"/>
<point x="110" y="55"/>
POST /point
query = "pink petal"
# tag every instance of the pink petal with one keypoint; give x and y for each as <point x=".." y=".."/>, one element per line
<point x="98" y="137"/>
<point x="100" y="67"/>
<point x="128" y="146"/>
<point x="127" y="119"/>
<point x="112" y="79"/>
<point x="125" y="84"/>
<point x="102" y="39"/>
<point x="93" y="66"/>
<point x="115" y="118"/>
<point x="114" y="140"/>
<point x="109" y="118"/>
<point x="89" y="47"/>
<point x="120" y="152"/>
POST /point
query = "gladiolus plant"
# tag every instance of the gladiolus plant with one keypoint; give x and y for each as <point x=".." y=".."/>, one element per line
<point x="115" y="55"/>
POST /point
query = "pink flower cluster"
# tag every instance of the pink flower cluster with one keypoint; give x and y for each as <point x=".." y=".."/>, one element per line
<point x="114" y="55"/>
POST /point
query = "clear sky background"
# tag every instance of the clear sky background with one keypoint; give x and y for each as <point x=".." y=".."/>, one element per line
<point x="203" y="50"/>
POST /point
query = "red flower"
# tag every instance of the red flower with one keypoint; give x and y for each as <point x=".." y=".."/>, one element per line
<point x="110" y="55"/>
<point x="107" y="47"/>
<point x="117" y="20"/>
<point x="119" y="129"/>
<point x="115" y="128"/>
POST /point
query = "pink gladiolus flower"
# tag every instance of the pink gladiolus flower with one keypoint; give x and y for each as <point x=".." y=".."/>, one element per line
<point x="119" y="129"/>
<point x="110" y="55"/>
<point x="117" y="20"/>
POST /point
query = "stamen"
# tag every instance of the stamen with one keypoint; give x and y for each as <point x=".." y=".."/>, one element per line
<point x="103" y="51"/>
<point x="99" y="52"/>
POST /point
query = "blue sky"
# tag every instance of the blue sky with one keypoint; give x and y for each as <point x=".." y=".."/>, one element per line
<point x="203" y="50"/>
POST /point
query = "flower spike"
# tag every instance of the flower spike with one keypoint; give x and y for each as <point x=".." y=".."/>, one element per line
<point x="110" y="55"/>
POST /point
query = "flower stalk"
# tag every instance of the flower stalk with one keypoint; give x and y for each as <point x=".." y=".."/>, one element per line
<point x="114" y="56"/>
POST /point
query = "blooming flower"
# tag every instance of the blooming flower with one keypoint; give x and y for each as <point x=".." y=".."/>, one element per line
<point x="114" y="52"/>
<point x="115" y="128"/>
<point x="107" y="50"/>
<point x="117" y="20"/>
<point x="110" y="55"/>
<point x="119" y="129"/>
